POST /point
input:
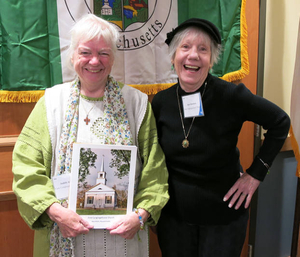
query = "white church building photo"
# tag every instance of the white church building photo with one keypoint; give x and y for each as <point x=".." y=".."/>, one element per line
<point x="100" y="196"/>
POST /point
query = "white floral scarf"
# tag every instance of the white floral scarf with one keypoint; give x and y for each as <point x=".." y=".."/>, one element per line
<point x="116" y="132"/>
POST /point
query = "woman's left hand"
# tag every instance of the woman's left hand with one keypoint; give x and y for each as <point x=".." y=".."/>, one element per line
<point x="126" y="226"/>
<point x="244" y="188"/>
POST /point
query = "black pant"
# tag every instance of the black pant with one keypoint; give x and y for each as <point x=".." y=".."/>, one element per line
<point x="179" y="239"/>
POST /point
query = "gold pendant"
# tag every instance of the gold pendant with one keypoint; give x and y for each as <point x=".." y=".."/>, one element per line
<point x="185" y="143"/>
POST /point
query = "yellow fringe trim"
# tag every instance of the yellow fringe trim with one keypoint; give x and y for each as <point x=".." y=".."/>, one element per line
<point x="295" y="148"/>
<point x="152" y="89"/>
<point x="240" y="74"/>
<point x="20" y="96"/>
<point x="149" y="89"/>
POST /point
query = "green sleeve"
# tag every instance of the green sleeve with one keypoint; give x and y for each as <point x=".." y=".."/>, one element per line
<point x="32" y="168"/>
<point x="152" y="193"/>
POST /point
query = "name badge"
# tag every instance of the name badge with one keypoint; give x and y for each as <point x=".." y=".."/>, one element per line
<point x="192" y="105"/>
<point x="61" y="185"/>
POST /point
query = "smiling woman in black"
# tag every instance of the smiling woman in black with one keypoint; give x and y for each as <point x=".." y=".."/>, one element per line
<point x="207" y="212"/>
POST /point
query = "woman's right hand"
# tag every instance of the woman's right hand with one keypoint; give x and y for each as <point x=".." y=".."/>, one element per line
<point x="70" y="223"/>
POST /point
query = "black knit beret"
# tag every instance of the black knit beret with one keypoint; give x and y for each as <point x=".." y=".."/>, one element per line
<point x="206" y="25"/>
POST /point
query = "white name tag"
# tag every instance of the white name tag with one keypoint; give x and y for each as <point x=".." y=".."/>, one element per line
<point x="192" y="105"/>
<point x="61" y="185"/>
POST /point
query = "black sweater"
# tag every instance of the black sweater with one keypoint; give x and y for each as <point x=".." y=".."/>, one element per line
<point x="201" y="174"/>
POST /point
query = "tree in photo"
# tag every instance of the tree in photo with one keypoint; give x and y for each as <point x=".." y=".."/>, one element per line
<point x="87" y="160"/>
<point x="121" y="161"/>
<point x="122" y="196"/>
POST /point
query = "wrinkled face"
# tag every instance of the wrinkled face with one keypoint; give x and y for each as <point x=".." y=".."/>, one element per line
<point x="93" y="62"/>
<point x="192" y="61"/>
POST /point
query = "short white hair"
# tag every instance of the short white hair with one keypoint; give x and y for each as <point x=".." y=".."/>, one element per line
<point x="91" y="27"/>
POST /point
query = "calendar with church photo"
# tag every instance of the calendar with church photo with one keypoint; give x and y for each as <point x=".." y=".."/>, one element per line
<point x="102" y="182"/>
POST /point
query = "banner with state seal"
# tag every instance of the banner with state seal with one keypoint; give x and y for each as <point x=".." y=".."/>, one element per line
<point x="34" y="38"/>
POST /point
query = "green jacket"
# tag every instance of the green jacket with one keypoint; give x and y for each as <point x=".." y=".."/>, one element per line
<point x="32" y="174"/>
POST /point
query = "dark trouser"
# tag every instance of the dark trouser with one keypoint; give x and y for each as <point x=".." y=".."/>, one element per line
<point x="179" y="239"/>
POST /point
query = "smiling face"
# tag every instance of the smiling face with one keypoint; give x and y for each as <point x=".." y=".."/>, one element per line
<point x="92" y="61"/>
<point x="192" y="60"/>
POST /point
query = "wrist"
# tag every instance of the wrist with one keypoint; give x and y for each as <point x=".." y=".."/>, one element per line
<point x="143" y="216"/>
<point x="53" y="211"/>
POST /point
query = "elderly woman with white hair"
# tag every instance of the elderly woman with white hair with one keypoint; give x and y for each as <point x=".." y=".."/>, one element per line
<point x="94" y="108"/>
<point x="198" y="122"/>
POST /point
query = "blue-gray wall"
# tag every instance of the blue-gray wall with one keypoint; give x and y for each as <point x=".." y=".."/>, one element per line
<point x="276" y="208"/>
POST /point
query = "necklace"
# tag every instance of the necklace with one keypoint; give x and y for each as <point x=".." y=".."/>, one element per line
<point x="185" y="142"/>
<point x="87" y="120"/>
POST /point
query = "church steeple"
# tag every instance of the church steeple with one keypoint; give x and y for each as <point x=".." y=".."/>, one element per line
<point x="101" y="174"/>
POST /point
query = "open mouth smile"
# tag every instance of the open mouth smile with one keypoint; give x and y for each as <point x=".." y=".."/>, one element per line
<point x="93" y="71"/>
<point x="191" y="68"/>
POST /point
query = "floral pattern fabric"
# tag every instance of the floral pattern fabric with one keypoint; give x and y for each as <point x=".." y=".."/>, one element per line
<point x="116" y="132"/>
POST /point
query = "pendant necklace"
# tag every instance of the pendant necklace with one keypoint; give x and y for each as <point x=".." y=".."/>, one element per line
<point x="185" y="142"/>
<point x="87" y="120"/>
